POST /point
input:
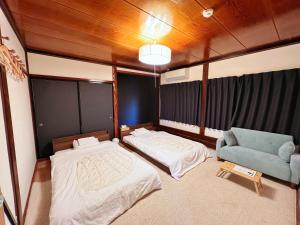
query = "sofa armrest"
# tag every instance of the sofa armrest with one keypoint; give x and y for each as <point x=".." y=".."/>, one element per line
<point x="295" y="168"/>
<point x="220" y="143"/>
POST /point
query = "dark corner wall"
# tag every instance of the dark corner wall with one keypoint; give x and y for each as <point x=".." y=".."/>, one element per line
<point x="136" y="99"/>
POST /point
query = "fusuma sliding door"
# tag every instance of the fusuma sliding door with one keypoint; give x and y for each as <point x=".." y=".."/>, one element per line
<point x="56" y="111"/>
<point x="68" y="107"/>
<point x="96" y="107"/>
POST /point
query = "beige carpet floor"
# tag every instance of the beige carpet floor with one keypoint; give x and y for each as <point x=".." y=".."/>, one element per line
<point x="199" y="198"/>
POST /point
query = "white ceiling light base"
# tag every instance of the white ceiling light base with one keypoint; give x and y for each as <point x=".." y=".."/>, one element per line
<point x="207" y="13"/>
<point x="155" y="54"/>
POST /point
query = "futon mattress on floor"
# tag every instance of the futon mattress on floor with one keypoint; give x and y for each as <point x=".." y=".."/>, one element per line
<point x="179" y="154"/>
<point x="93" y="186"/>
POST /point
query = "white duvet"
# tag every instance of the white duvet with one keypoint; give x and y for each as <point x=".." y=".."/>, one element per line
<point x="93" y="186"/>
<point x="178" y="154"/>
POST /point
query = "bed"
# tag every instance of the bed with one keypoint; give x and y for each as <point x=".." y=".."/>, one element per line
<point x="95" y="184"/>
<point x="177" y="154"/>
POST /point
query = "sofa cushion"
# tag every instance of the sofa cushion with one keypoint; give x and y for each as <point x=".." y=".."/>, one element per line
<point x="229" y="138"/>
<point x="259" y="140"/>
<point x="286" y="150"/>
<point x="266" y="163"/>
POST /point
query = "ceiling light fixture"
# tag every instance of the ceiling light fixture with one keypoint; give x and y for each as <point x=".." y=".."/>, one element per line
<point x="155" y="54"/>
<point x="207" y="13"/>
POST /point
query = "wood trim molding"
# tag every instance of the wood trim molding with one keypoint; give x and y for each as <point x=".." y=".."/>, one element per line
<point x="298" y="206"/>
<point x="47" y="77"/>
<point x="203" y="98"/>
<point x="10" y="143"/>
<point x="115" y="101"/>
<point x="33" y="116"/>
<point x="126" y="132"/>
<point x="63" y="143"/>
<point x="136" y="73"/>
<point x="157" y="105"/>
<point x="2" y="220"/>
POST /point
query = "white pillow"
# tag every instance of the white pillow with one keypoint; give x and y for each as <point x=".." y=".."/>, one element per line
<point x="142" y="130"/>
<point x="88" y="146"/>
<point x="137" y="134"/>
<point x="87" y="141"/>
<point x="75" y="144"/>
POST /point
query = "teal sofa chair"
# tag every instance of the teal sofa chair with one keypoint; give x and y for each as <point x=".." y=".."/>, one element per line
<point x="258" y="150"/>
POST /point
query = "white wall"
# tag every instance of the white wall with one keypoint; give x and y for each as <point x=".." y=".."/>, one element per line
<point x="195" y="74"/>
<point x="23" y="133"/>
<point x="265" y="61"/>
<point x="57" y="66"/>
<point x="21" y="117"/>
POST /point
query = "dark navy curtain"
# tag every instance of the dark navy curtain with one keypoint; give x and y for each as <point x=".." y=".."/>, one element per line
<point x="180" y="102"/>
<point x="269" y="102"/>
<point x="266" y="101"/>
<point x="221" y="102"/>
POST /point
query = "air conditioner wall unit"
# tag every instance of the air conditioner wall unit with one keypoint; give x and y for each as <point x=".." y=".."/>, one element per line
<point x="177" y="75"/>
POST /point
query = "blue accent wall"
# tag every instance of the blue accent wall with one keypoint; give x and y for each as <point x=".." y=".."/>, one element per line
<point x="136" y="99"/>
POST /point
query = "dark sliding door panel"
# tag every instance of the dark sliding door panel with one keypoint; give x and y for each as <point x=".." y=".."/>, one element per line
<point x="56" y="111"/>
<point x="96" y="107"/>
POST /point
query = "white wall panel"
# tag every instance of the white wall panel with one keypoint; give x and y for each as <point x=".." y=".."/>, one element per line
<point x="21" y="116"/>
<point x="265" y="61"/>
<point x="57" y="66"/>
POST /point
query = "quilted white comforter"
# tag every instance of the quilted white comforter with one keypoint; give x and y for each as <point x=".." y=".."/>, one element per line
<point x="93" y="186"/>
<point x="179" y="154"/>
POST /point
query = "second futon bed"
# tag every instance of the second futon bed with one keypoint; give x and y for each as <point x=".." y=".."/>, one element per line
<point x="178" y="154"/>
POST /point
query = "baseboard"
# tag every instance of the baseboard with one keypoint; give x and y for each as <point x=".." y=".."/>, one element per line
<point x="29" y="193"/>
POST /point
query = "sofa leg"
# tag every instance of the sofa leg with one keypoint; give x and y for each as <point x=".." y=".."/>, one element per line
<point x="219" y="159"/>
<point x="293" y="186"/>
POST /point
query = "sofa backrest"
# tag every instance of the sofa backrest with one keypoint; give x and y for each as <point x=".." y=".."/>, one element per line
<point x="260" y="140"/>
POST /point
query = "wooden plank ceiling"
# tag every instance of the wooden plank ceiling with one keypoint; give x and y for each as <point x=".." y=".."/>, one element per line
<point x="111" y="31"/>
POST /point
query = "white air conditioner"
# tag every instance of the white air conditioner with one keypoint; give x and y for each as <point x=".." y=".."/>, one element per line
<point x="176" y="75"/>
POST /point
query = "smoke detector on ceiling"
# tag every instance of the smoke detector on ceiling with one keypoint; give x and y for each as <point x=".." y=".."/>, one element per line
<point x="207" y="13"/>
